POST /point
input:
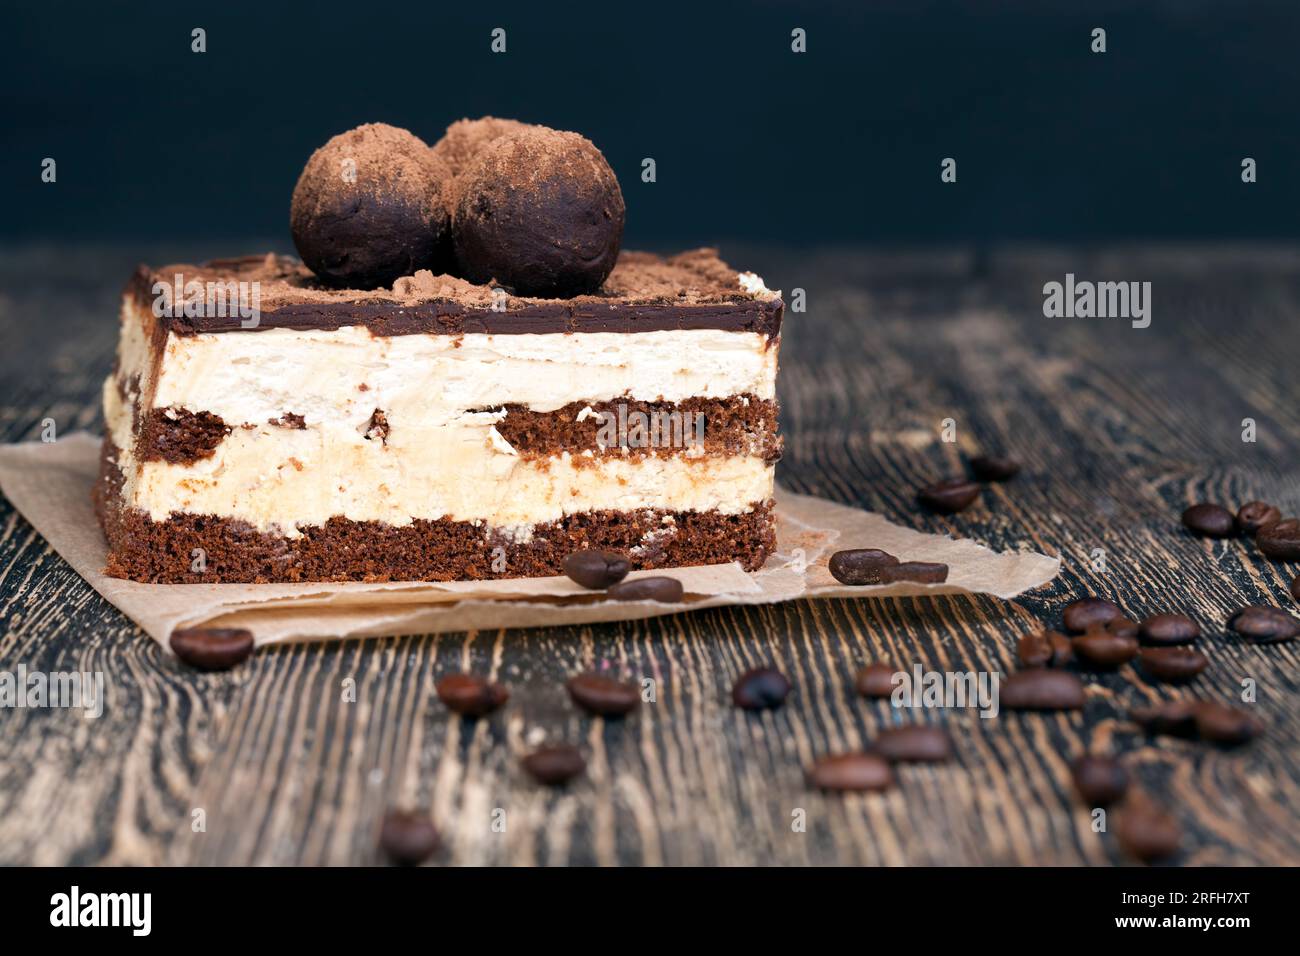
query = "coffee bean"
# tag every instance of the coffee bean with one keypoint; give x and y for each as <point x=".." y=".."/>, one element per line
<point x="1264" y="625"/>
<point x="918" y="572"/>
<point x="212" y="648"/>
<point x="1295" y="587"/>
<point x="1173" y="665"/>
<point x="1213" y="521"/>
<point x="1145" y="831"/>
<point x="1174" y="718"/>
<point x="1121" y="626"/>
<point x="950" y="496"/>
<point x="860" y="565"/>
<point x="1086" y="613"/>
<point x="554" y="765"/>
<point x="1101" y="781"/>
<point x="470" y="695"/>
<point x="1045" y="649"/>
<point x="760" y="689"/>
<point x="1166" y="629"/>
<point x="876" y="680"/>
<point x="856" y="771"/>
<point x="994" y="468"/>
<point x="596" y="569"/>
<point x="1034" y="650"/>
<point x="915" y="743"/>
<point x="1280" y="540"/>
<point x="1253" y="515"/>
<point x="1105" y="649"/>
<point x="603" y="696"/>
<point x="663" y="590"/>
<point x="408" y="837"/>
<point x="1225" y="724"/>
<point x="1207" y="719"/>
<point x="1042" y="689"/>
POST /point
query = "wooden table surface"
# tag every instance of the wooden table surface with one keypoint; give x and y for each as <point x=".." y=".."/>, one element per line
<point x="1120" y="428"/>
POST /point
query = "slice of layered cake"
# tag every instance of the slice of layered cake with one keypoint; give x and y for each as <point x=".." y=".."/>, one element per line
<point x="264" y="426"/>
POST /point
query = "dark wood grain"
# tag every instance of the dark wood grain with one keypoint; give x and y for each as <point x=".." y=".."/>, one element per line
<point x="1119" y="428"/>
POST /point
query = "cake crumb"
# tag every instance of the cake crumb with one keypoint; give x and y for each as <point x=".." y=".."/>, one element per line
<point x="378" y="426"/>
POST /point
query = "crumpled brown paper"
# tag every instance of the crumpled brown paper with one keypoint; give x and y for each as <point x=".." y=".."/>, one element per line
<point x="50" y="485"/>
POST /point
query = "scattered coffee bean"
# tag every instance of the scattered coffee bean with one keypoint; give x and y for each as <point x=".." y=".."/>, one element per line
<point x="408" y="837"/>
<point x="1166" y="629"/>
<point x="1034" y="650"/>
<point x="1101" y="781"/>
<point x="1264" y="625"/>
<point x="1145" y="831"/>
<point x="470" y="695"/>
<point x="1174" y="665"/>
<point x="858" y="771"/>
<point x="663" y="590"/>
<point x="1173" y="718"/>
<point x="760" y="689"/>
<point x="950" y="496"/>
<point x="1045" y="649"/>
<point x="1280" y="540"/>
<point x="1253" y="515"/>
<point x="596" y="569"/>
<point x="603" y="696"/>
<point x="1042" y="689"/>
<point x="1087" y="613"/>
<point x="915" y="743"/>
<point x="860" y="565"/>
<point x="554" y="765"/>
<point x="876" y="680"/>
<point x="1207" y="719"/>
<point x="1295" y="587"/>
<point x="917" y="572"/>
<point x="1122" y="626"/>
<point x="1212" y="521"/>
<point x="212" y="648"/>
<point x="994" y="467"/>
<point x="1225" y="724"/>
<point x="1104" y="648"/>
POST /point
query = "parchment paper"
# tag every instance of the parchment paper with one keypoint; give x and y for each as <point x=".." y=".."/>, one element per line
<point x="49" y="483"/>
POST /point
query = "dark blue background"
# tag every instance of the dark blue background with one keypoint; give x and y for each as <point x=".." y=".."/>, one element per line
<point x="752" y="141"/>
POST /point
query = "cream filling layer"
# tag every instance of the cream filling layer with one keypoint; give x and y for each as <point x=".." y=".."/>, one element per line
<point x="279" y="479"/>
<point x="343" y="375"/>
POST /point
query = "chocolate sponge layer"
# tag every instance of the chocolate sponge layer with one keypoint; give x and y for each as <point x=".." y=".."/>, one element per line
<point x="178" y="436"/>
<point x="740" y="425"/>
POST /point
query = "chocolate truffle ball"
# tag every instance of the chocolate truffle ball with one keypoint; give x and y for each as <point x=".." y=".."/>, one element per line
<point x="540" y="211"/>
<point x="370" y="207"/>
<point x="465" y="138"/>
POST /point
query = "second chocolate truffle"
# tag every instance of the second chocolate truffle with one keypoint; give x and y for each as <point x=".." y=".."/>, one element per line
<point x="371" y="207"/>
<point x="540" y="211"/>
<point x="466" y="138"/>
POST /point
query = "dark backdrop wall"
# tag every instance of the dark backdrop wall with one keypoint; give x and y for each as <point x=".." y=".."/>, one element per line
<point x="751" y="141"/>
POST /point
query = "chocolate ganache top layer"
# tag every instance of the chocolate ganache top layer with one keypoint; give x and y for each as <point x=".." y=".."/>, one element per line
<point x="644" y="293"/>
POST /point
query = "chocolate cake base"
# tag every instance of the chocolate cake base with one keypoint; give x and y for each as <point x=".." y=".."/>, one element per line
<point x="188" y="549"/>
